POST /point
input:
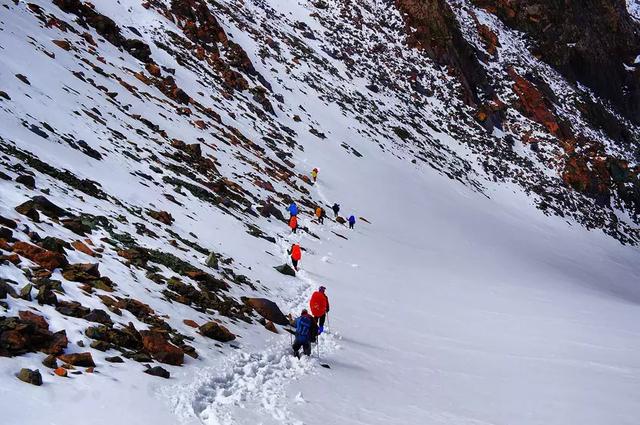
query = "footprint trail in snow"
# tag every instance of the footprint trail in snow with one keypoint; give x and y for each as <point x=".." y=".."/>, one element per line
<point x="253" y="386"/>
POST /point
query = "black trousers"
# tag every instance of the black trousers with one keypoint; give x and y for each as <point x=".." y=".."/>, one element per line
<point x="306" y="347"/>
<point x="321" y="320"/>
<point x="351" y="225"/>
<point x="295" y="263"/>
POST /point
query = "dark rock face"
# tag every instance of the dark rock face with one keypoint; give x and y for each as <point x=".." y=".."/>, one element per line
<point x="106" y="27"/>
<point x="586" y="40"/>
<point x="432" y="27"/>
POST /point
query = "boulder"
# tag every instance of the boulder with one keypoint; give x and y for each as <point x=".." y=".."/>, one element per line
<point x="26" y="180"/>
<point x="286" y="270"/>
<point x="141" y="357"/>
<point x="98" y="316"/>
<point x="18" y="337"/>
<point x="190" y="323"/>
<point x="25" y="292"/>
<point x="42" y="204"/>
<point x="267" y="309"/>
<point x="35" y="319"/>
<point x="127" y="337"/>
<point x="63" y="44"/>
<point x="82" y="247"/>
<point x="216" y="331"/>
<point x="160" y="349"/>
<point x="54" y="244"/>
<point x="6" y="234"/>
<point x="76" y="225"/>
<point x="212" y="260"/>
<point x="46" y="296"/>
<point x="87" y="273"/>
<point x="57" y="343"/>
<point x="114" y="359"/>
<point x="340" y="219"/>
<point x="162" y="216"/>
<point x="100" y="345"/>
<point x="268" y="209"/>
<point x="72" y="309"/>
<point x="50" y="260"/>
<point x="78" y="359"/>
<point x="50" y="361"/>
<point x="158" y="371"/>
<point x="30" y="376"/>
<point x="11" y="224"/>
<point x="6" y="289"/>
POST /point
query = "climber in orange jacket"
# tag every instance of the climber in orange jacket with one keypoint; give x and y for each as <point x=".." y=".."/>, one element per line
<point x="296" y="255"/>
<point x="319" y="306"/>
<point x="293" y="223"/>
<point x="320" y="214"/>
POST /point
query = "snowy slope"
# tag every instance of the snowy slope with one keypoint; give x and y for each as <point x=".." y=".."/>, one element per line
<point x="454" y="309"/>
<point x="459" y="303"/>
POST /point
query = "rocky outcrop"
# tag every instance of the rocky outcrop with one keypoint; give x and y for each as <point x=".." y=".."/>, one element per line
<point x="533" y="104"/>
<point x="50" y="260"/>
<point x="106" y="27"/>
<point x="587" y="41"/>
<point x="432" y="27"/>
<point x="18" y="336"/>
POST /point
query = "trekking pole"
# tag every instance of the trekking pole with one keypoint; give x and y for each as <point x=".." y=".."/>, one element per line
<point x="318" y="347"/>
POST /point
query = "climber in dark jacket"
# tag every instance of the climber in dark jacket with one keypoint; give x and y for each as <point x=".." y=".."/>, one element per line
<point x="336" y="209"/>
<point x="304" y="324"/>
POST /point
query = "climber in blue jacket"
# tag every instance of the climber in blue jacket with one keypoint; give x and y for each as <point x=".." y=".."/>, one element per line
<point x="293" y="209"/>
<point x="303" y="334"/>
<point x="352" y="221"/>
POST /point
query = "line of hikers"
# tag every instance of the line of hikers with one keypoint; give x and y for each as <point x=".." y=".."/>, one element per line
<point x="295" y="251"/>
<point x="309" y="326"/>
<point x="320" y="213"/>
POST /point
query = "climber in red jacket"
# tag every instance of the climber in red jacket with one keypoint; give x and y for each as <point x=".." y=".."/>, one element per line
<point x="296" y="255"/>
<point x="319" y="306"/>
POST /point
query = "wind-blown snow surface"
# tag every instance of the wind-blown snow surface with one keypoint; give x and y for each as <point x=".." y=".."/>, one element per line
<point x="449" y="308"/>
